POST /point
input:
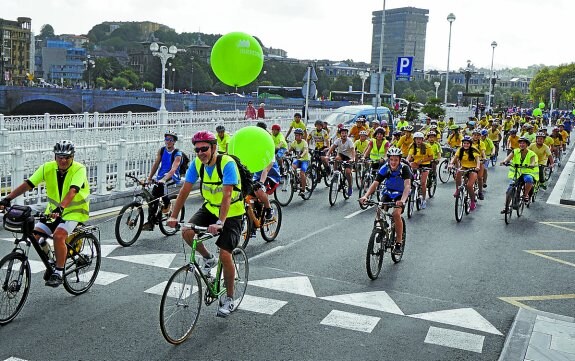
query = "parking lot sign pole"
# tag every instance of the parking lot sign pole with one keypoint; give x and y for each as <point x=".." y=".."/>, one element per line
<point x="307" y="93"/>
<point x="379" y="74"/>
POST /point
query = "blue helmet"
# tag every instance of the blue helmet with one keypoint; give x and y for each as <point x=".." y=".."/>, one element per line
<point x="484" y="132"/>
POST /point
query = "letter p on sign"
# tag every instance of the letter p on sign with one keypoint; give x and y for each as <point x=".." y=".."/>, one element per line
<point x="404" y="64"/>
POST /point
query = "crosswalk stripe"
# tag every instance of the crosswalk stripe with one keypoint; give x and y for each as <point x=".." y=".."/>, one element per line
<point x="350" y="321"/>
<point x="267" y="306"/>
<point x="455" y="339"/>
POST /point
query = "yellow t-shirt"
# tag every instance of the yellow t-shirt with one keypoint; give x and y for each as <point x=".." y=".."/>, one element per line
<point x="465" y="161"/>
<point x="565" y="135"/>
<point x="480" y="146"/>
<point x="299" y="149"/>
<point x="454" y="140"/>
<point x="494" y="135"/>
<point x="318" y="139"/>
<point x="404" y="144"/>
<point x="557" y="140"/>
<point x="549" y="141"/>
<point x="223" y="142"/>
<point x="421" y="155"/>
<point x="354" y="131"/>
<point x="513" y="141"/>
<point x="542" y="152"/>
<point x="300" y="125"/>
<point x="436" y="148"/>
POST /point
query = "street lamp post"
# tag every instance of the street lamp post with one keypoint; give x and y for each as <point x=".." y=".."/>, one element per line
<point x="493" y="45"/>
<point x="192" y="76"/>
<point x="380" y="65"/>
<point x="164" y="53"/>
<point x="437" y="84"/>
<point x="89" y="64"/>
<point x="363" y="75"/>
<point x="451" y="19"/>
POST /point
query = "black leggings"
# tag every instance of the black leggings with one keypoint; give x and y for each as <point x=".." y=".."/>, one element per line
<point x="160" y="190"/>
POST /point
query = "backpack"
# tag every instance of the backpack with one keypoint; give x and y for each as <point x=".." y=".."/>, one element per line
<point x="246" y="177"/>
<point x="184" y="163"/>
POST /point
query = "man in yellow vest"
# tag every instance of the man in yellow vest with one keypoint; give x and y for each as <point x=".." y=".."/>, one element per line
<point x="68" y="192"/>
<point x="221" y="211"/>
<point x="526" y="159"/>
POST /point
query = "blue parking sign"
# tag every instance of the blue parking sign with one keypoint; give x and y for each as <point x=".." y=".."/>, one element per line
<point x="404" y="66"/>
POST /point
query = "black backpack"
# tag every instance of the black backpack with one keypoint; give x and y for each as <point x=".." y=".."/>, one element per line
<point x="246" y="177"/>
<point x="184" y="163"/>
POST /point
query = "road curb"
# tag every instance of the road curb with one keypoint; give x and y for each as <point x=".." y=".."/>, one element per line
<point x="567" y="194"/>
<point x="519" y="336"/>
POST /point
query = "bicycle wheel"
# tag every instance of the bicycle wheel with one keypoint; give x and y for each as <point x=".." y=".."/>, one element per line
<point x="316" y="172"/>
<point x="375" y="253"/>
<point x="444" y="173"/>
<point x="432" y="185"/>
<point x="519" y="202"/>
<point x="334" y="189"/>
<point x="241" y="277"/>
<point x="284" y="192"/>
<point x="365" y="184"/>
<point x="309" y="183"/>
<point x="326" y="175"/>
<point x="410" y="204"/>
<point x="547" y="173"/>
<point x="459" y="205"/>
<point x="181" y="304"/>
<point x="509" y="205"/>
<point x="169" y="231"/>
<point x="270" y="229"/>
<point x="15" y="285"/>
<point x="467" y="202"/>
<point x="129" y="224"/>
<point x="82" y="263"/>
<point x="358" y="173"/>
<point x="396" y="258"/>
<point x="248" y="230"/>
<point x="343" y="186"/>
<point x="416" y="195"/>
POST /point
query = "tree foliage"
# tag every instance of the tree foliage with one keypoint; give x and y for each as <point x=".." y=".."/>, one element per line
<point x="46" y="32"/>
<point x="562" y="78"/>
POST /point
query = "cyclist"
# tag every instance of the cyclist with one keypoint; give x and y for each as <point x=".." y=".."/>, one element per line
<point x="494" y="133"/>
<point x="362" y="143"/>
<point x="68" y="192"/>
<point x="345" y="152"/>
<point x="397" y="177"/>
<point x="564" y="136"/>
<point x="466" y="158"/>
<point x="435" y="148"/>
<point x="512" y="141"/>
<point x="454" y="139"/>
<point x="543" y="156"/>
<point x="479" y="145"/>
<point x="557" y="142"/>
<point x="221" y="211"/>
<point x="266" y="181"/>
<point x="358" y="127"/>
<point x="318" y="140"/>
<point x="395" y="138"/>
<point x="529" y="172"/>
<point x="297" y="124"/>
<point x="385" y="127"/>
<point x="167" y="164"/>
<point x="420" y="156"/>
<point x="377" y="149"/>
<point x="300" y="149"/>
<point x="223" y="139"/>
<point x="402" y="123"/>
<point x="280" y="144"/>
<point x="489" y="152"/>
<point x="406" y="140"/>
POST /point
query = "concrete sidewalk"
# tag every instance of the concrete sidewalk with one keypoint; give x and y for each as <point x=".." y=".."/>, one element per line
<point x="540" y="336"/>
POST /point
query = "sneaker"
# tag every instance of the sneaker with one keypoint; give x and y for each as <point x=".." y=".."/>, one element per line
<point x="349" y="191"/>
<point x="148" y="226"/>
<point x="484" y="185"/>
<point x="166" y="210"/>
<point x="269" y="214"/>
<point x="472" y="206"/>
<point x="423" y="204"/>
<point x="456" y="194"/>
<point x="55" y="280"/>
<point x="481" y="196"/>
<point x="505" y="210"/>
<point x="226" y="306"/>
<point x="209" y="263"/>
<point x="543" y="186"/>
<point x="397" y="249"/>
<point x="302" y="194"/>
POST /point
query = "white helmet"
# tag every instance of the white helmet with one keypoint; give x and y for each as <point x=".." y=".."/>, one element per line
<point x="418" y="135"/>
<point x="394" y="151"/>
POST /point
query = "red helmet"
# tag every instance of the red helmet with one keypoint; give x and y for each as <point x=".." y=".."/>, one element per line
<point x="276" y="127"/>
<point x="204" y="136"/>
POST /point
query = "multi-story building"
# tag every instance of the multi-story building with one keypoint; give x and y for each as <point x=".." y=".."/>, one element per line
<point x="403" y="34"/>
<point x="61" y="63"/>
<point x="15" y="58"/>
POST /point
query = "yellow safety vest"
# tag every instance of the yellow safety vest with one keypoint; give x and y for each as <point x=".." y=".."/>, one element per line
<point x="377" y="154"/>
<point x="79" y="209"/>
<point x="212" y="189"/>
<point x="527" y="161"/>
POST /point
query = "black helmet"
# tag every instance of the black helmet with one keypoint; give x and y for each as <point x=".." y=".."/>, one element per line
<point x="220" y="128"/>
<point x="64" y="147"/>
<point x="318" y="122"/>
<point x="262" y="125"/>
<point x="171" y="133"/>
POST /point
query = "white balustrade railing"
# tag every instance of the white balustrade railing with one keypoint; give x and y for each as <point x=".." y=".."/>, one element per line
<point x="109" y="145"/>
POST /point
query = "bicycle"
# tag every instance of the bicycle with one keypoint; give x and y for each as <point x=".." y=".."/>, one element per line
<point x="444" y="171"/>
<point x="514" y="199"/>
<point x="366" y="180"/>
<point x="414" y="200"/>
<point x="255" y="219"/>
<point x="359" y="168"/>
<point x="130" y="220"/>
<point x="182" y="298"/>
<point x="82" y="265"/>
<point x="463" y="201"/>
<point x="432" y="182"/>
<point x="382" y="238"/>
<point x="338" y="182"/>
<point x="319" y="169"/>
<point x="493" y="158"/>
<point x="283" y="193"/>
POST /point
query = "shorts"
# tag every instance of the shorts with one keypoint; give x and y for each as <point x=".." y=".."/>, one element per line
<point x="527" y="178"/>
<point x="388" y="198"/>
<point x="345" y="158"/>
<point x="302" y="164"/>
<point x="230" y="234"/>
<point x="50" y="227"/>
<point x="270" y="185"/>
<point x="280" y="152"/>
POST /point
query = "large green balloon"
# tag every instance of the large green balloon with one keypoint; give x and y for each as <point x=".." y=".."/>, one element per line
<point x="254" y="146"/>
<point x="541" y="105"/>
<point x="536" y="112"/>
<point x="237" y="59"/>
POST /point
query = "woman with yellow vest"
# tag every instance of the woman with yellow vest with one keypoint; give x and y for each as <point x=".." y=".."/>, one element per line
<point x="527" y="160"/>
<point x="221" y="212"/>
<point x="377" y="149"/>
<point x="68" y="192"/>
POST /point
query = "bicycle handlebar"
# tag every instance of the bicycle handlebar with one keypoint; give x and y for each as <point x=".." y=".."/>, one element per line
<point x="381" y="204"/>
<point x="195" y="228"/>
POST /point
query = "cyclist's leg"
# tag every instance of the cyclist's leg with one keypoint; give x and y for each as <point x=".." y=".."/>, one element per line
<point x="480" y="178"/>
<point x="262" y="196"/>
<point x="303" y="169"/>
<point x="485" y="176"/>
<point x="458" y="176"/>
<point x="165" y="198"/>
<point x="202" y="218"/>
<point x="60" y="234"/>
<point x="424" y="175"/>
<point x="528" y="181"/>
<point x="473" y="176"/>
<point x="226" y="242"/>
<point x="398" y="225"/>
<point x="157" y="193"/>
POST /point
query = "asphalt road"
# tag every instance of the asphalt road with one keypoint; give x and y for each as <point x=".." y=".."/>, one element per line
<point x="452" y="297"/>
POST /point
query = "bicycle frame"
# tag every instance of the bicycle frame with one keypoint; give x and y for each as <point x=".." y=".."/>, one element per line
<point x="215" y="289"/>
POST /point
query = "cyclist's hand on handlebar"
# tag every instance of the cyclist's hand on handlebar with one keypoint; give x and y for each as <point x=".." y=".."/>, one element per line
<point x="172" y="222"/>
<point x="5" y="202"/>
<point x="399" y="203"/>
<point x="57" y="213"/>
<point x="215" y="228"/>
<point x="362" y="200"/>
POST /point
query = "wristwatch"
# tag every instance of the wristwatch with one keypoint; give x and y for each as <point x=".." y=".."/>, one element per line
<point x="219" y="222"/>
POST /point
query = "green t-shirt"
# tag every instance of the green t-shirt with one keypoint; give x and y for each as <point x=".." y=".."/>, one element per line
<point x="299" y="149"/>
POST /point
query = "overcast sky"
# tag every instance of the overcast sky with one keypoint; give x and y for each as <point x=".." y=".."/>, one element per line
<point x="527" y="31"/>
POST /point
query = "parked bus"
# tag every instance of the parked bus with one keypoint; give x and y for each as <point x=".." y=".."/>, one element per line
<point x="354" y="97"/>
<point x="279" y="92"/>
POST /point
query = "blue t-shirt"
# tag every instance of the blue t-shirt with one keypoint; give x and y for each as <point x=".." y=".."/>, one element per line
<point x="229" y="174"/>
<point x="567" y="124"/>
<point x="394" y="179"/>
<point x="166" y="165"/>
<point x="274" y="173"/>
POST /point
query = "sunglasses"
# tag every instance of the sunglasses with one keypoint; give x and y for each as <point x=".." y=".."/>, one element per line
<point x="169" y="139"/>
<point x="64" y="157"/>
<point x="202" y="149"/>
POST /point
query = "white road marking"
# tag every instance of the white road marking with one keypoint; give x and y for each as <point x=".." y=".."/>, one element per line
<point x="106" y="249"/>
<point x="14" y="359"/>
<point x="297" y="285"/>
<point x="177" y="290"/>
<point x="156" y="260"/>
<point x="462" y="317"/>
<point x="104" y="278"/>
<point x="378" y="300"/>
<point x="564" y="177"/>
<point x="455" y="339"/>
<point x="356" y="213"/>
<point x="267" y="306"/>
<point x="350" y="321"/>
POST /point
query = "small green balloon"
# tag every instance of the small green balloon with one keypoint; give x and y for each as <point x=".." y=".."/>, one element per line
<point x="536" y="112"/>
<point x="254" y="146"/>
<point x="237" y="59"/>
<point x="541" y="105"/>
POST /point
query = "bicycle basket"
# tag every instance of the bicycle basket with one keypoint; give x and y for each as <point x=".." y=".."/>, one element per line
<point x="19" y="219"/>
<point x="446" y="152"/>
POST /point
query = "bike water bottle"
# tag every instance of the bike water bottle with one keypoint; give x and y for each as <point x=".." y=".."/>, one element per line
<point x="46" y="248"/>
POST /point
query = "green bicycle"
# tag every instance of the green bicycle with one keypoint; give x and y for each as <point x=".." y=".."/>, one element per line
<point x="182" y="298"/>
